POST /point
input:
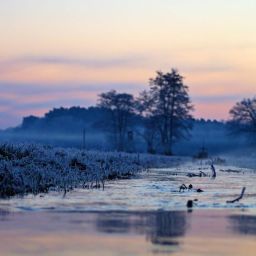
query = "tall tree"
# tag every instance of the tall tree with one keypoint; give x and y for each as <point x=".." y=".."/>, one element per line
<point x="243" y="116"/>
<point x="170" y="106"/>
<point x="121" y="107"/>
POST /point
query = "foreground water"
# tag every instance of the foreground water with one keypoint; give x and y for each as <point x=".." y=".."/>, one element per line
<point x="142" y="216"/>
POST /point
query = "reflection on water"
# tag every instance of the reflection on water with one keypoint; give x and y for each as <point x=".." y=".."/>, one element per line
<point x="3" y="214"/>
<point x="128" y="233"/>
<point x="244" y="224"/>
<point x="167" y="227"/>
<point x="115" y="222"/>
<point x="160" y="227"/>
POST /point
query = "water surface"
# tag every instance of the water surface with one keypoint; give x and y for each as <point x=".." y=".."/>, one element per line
<point x="142" y="216"/>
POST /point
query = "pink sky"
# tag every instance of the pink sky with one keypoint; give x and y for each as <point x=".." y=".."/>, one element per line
<point x="60" y="53"/>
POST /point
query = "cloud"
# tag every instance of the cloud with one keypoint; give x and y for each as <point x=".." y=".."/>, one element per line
<point x="218" y="98"/>
<point x="85" y="62"/>
<point x="208" y="68"/>
<point x="39" y="88"/>
<point x="90" y="63"/>
<point x="141" y="60"/>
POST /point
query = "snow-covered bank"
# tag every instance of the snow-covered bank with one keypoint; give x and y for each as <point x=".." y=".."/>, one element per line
<point x="26" y="168"/>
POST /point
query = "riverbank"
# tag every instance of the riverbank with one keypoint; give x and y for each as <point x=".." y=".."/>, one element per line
<point x="29" y="168"/>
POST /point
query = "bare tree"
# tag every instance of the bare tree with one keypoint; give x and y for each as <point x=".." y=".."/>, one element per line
<point x="243" y="116"/>
<point x="121" y="107"/>
<point x="169" y="104"/>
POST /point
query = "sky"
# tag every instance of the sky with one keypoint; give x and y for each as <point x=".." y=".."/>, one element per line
<point x="63" y="53"/>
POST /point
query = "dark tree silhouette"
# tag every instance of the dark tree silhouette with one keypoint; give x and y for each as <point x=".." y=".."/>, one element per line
<point x="243" y="116"/>
<point x="121" y="107"/>
<point x="144" y="104"/>
<point x="168" y="103"/>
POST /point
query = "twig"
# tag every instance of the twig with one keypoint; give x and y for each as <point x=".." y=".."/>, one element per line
<point x="202" y="174"/>
<point x="213" y="171"/>
<point x="191" y="175"/>
<point x="183" y="187"/>
<point x="239" y="198"/>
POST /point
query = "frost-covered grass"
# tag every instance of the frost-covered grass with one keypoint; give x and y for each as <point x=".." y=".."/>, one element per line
<point x="26" y="168"/>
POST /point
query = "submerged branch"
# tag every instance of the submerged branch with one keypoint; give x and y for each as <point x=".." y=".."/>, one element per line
<point x="239" y="198"/>
<point x="213" y="171"/>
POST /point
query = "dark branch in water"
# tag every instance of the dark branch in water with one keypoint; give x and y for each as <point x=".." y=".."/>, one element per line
<point x="213" y="171"/>
<point x="202" y="174"/>
<point x="183" y="187"/>
<point x="191" y="175"/>
<point x="190" y="204"/>
<point x="239" y="198"/>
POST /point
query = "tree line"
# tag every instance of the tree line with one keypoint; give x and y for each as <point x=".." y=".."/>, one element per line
<point x="157" y="118"/>
<point x="166" y="110"/>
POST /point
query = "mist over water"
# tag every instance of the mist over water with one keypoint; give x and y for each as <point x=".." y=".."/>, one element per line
<point x="214" y="137"/>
